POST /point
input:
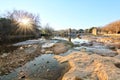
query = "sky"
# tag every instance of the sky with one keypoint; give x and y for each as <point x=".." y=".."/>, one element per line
<point x="64" y="14"/>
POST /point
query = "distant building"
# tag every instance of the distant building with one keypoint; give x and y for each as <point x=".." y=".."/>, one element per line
<point x="94" y="31"/>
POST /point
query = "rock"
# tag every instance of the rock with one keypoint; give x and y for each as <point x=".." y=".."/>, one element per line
<point x="77" y="48"/>
<point x="83" y="49"/>
<point x="22" y="60"/>
<point x="115" y="44"/>
<point x="90" y="67"/>
<point x="31" y="49"/>
<point x="21" y="48"/>
<point x="118" y="56"/>
<point x="118" y="51"/>
<point x="47" y="62"/>
<point x="105" y="52"/>
<point x="22" y="75"/>
<point x="48" y="52"/>
<point x="104" y="40"/>
<point x="4" y="55"/>
<point x="102" y="52"/>
<point x="48" y="70"/>
<point x="111" y="47"/>
<point x="86" y="44"/>
<point x="48" y="45"/>
<point x="43" y="50"/>
<point x="34" y="64"/>
<point x="59" y="48"/>
<point x="6" y="73"/>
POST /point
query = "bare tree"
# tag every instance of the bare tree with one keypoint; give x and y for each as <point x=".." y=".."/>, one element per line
<point x="47" y="31"/>
<point x="26" y="22"/>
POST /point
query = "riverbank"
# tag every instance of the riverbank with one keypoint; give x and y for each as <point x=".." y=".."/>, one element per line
<point x="83" y="56"/>
<point x="17" y="58"/>
<point x="97" y="61"/>
<point x="28" y="51"/>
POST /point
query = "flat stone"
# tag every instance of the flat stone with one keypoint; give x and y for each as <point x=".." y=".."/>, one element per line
<point x="48" y="52"/>
<point x="90" y="67"/>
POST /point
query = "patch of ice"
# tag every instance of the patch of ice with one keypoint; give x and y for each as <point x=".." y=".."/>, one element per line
<point x="78" y="41"/>
<point x="29" y="42"/>
<point x="60" y="38"/>
<point x="47" y="45"/>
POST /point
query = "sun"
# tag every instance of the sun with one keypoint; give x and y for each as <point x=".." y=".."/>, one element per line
<point x="25" y="21"/>
<point x="25" y="24"/>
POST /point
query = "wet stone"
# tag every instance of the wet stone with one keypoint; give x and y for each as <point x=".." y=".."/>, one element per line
<point x="48" y="62"/>
<point x="22" y="77"/>
<point x="117" y="65"/>
<point x="34" y="64"/>
<point x="111" y="47"/>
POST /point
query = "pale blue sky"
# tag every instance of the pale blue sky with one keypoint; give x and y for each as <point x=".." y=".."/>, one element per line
<point x="64" y="14"/>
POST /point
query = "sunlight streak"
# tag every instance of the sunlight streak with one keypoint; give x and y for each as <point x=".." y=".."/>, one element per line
<point x="25" y="24"/>
<point x="24" y="21"/>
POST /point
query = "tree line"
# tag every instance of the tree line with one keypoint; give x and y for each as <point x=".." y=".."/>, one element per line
<point x="113" y="27"/>
<point x="9" y="24"/>
<point x="20" y="24"/>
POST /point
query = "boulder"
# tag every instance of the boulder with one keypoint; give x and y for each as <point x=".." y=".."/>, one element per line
<point x="90" y="67"/>
<point x="59" y="48"/>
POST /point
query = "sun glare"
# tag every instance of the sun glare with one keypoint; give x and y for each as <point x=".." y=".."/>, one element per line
<point x="25" y="21"/>
<point x="25" y="24"/>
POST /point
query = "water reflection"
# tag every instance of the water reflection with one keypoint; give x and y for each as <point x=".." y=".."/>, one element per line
<point x="44" y="67"/>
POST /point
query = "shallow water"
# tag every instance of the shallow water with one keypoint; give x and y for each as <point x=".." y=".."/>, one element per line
<point x="44" y="67"/>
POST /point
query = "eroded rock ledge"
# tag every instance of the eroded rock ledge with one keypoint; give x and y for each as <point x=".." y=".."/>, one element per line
<point x="90" y="67"/>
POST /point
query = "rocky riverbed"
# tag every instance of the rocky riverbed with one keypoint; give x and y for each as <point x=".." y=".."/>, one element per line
<point x="89" y="58"/>
<point x="14" y="64"/>
<point x="98" y="61"/>
<point x="90" y="67"/>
